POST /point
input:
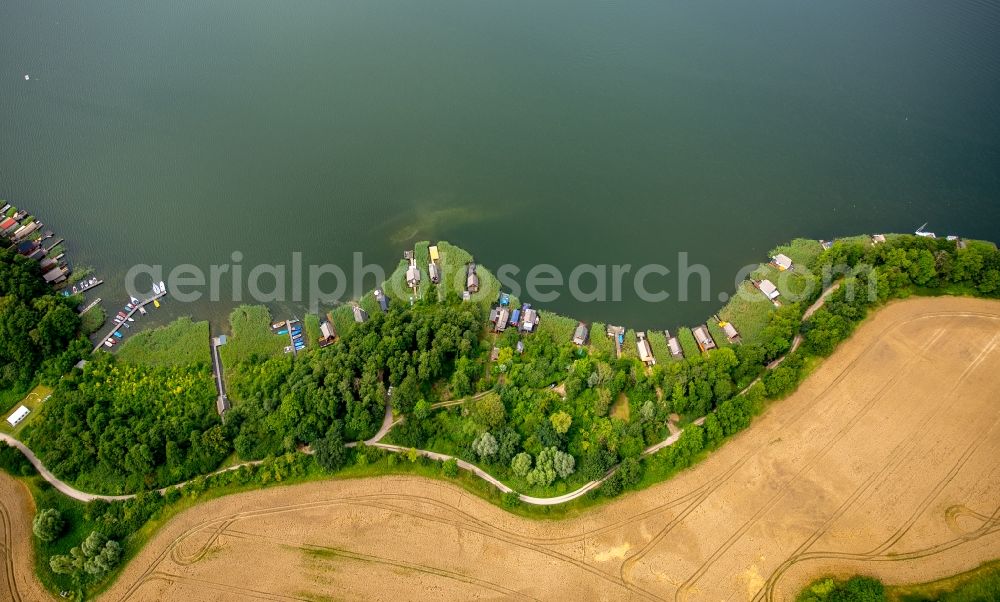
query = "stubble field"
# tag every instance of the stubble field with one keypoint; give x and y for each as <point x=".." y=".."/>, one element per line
<point x="884" y="462"/>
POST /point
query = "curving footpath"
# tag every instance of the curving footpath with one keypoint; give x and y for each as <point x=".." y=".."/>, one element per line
<point x="388" y="423"/>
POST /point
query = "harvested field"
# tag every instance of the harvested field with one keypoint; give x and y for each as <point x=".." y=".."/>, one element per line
<point x="17" y="566"/>
<point x="883" y="462"/>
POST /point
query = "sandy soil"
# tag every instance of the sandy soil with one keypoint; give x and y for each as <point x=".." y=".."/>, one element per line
<point x="884" y="462"/>
<point x="17" y="569"/>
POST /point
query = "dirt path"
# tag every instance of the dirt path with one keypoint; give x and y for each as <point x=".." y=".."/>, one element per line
<point x="882" y="462"/>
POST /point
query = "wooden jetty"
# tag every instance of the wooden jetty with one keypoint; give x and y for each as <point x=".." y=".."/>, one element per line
<point x="120" y="325"/>
<point x="89" y="307"/>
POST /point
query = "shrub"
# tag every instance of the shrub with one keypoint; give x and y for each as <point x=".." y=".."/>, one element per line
<point x="48" y="524"/>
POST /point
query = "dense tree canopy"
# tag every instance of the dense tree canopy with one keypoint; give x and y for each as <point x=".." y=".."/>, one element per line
<point x="286" y="403"/>
<point x="38" y="329"/>
<point x="116" y="426"/>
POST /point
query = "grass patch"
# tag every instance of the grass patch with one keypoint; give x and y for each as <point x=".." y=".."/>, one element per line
<point x="9" y="397"/>
<point x="33" y="401"/>
<point x="600" y="342"/>
<point x="802" y="251"/>
<point x="313" y="332"/>
<point x="749" y="311"/>
<point x="629" y="348"/>
<point x="92" y="319"/>
<point x="686" y="338"/>
<point x="658" y="343"/>
<point x="620" y="408"/>
<point x="251" y="339"/>
<point x="180" y="343"/>
<point x="342" y="318"/>
<point x="453" y="260"/>
<point x="719" y="335"/>
<point x="981" y="583"/>
<point x="560" y="327"/>
<point x="423" y="257"/>
<point x="395" y="285"/>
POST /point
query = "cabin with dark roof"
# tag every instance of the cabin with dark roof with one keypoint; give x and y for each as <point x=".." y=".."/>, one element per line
<point x="471" y="278"/>
<point x="383" y="301"/>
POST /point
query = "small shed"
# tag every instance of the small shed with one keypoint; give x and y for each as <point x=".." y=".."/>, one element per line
<point x="731" y="332"/>
<point x="18" y="415"/>
<point x="675" y="347"/>
<point x="529" y="320"/>
<point x="782" y="262"/>
<point x="413" y="275"/>
<point x="328" y="331"/>
<point x="645" y="351"/>
<point x="502" y="318"/>
<point x="435" y="272"/>
<point x="471" y="278"/>
<point x="433" y="251"/>
<point x="878" y="239"/>
<point x="580" y="334"/>
<point x="383" y="301"/>
<point x="770" y="291"/>
<point x="360" y="315"/>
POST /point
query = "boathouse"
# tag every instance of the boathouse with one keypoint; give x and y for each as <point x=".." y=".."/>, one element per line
<point x="413" y="275"/>
<point x="580" y="334"/>
<point x="360" y="315"/>
<point x="675" y="346"/>
<point x="770" y="291"/>
<point x="782" y="262"/>
<point x="529" y="320"/>
<point x="703" y="338"/>
<point x="731" y="332"/>
<point x="645" y="351"/>
<point x="383" y="301"/>
<point x="471" y="278"/>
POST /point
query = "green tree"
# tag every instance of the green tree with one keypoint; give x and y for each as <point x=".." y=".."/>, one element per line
<point x="561" y="421"/>
<point x="48" y="524"/>
<point x="450" y="468"/>
<point x="485" y="446"/>
<point x="521" y="464"/>
<point x="330" y="453"/>
<point x="488" y="411"/>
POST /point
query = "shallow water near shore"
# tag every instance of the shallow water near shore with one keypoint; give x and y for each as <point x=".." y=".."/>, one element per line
<point x="528" y="133"/>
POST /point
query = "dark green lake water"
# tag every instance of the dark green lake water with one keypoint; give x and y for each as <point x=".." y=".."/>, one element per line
<point x="527" y="132"/>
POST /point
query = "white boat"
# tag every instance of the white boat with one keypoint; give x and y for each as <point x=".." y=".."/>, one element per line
<point x="163" y="288"/>
<point x="27" y="77"/>
<point x="156" y="289"/>
<point x="108" y="343"/>
<point x="134" y="301"/>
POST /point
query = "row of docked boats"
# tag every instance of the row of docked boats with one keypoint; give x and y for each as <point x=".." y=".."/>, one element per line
<point x="293" y="330"/>
<point x="124" y="317"/>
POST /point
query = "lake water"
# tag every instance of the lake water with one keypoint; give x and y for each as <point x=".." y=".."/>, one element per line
<point x="527" y="132"/>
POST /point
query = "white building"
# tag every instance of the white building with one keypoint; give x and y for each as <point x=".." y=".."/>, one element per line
<point x="770" y="291"/>
<point x="782" y="262"/>
<point x="18" y="415"/>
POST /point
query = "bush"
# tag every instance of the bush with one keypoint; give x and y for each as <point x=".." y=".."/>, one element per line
<point x="48" y="524"/>
<point x="450" y="468"/>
